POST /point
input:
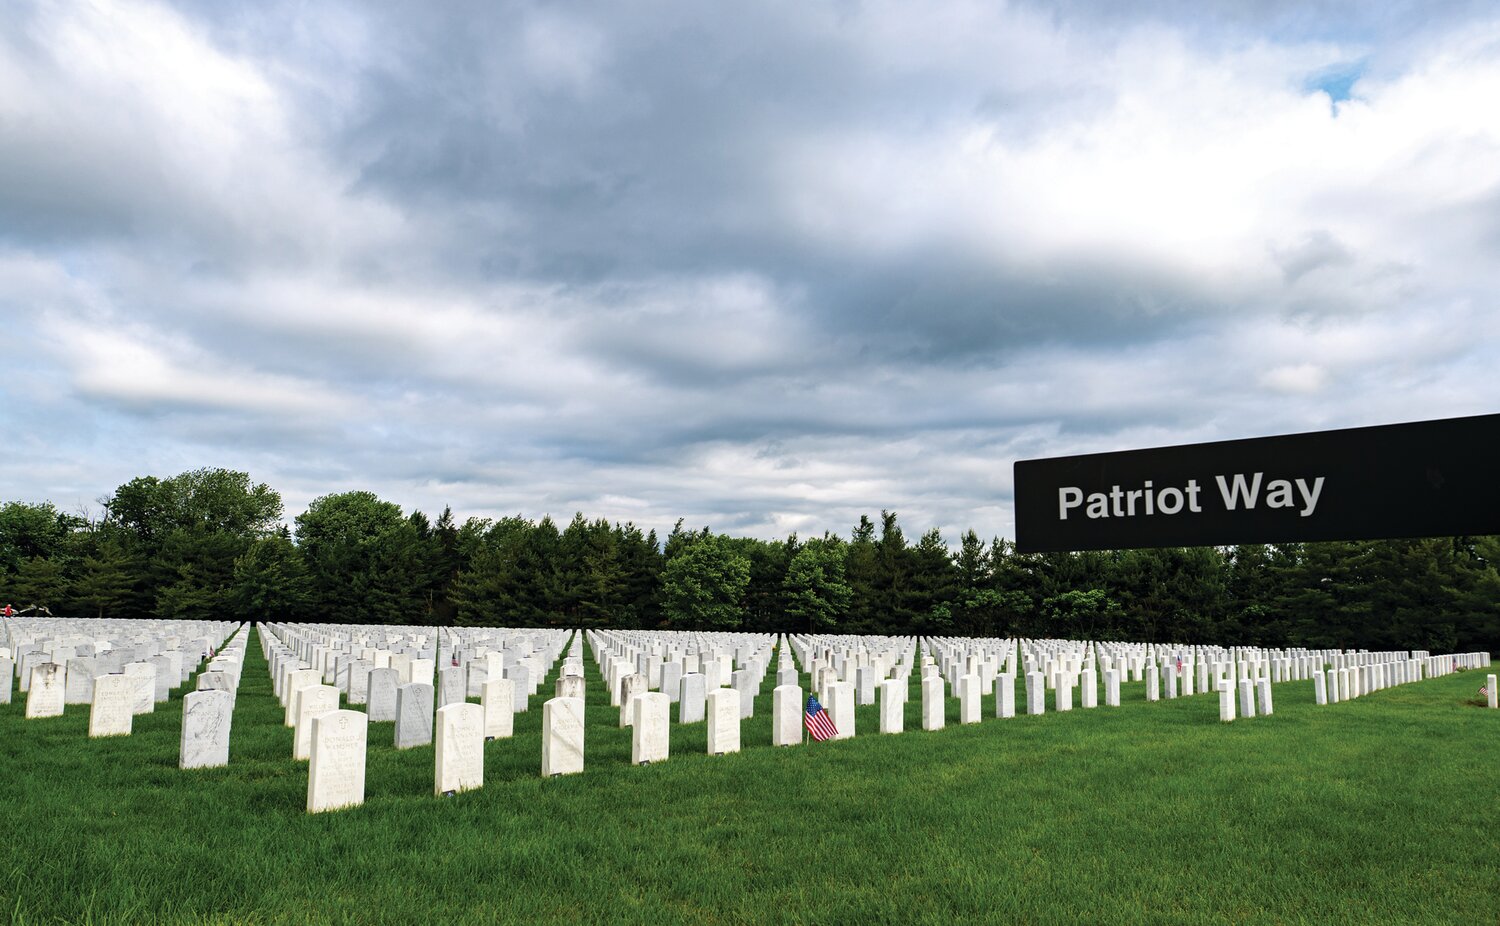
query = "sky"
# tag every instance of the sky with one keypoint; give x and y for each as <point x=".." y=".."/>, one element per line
<point x="765" y="267"/>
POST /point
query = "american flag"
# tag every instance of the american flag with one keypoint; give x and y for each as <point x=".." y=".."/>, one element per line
<point x="818" y="723"/>
<point x="1484" y="689"/>
<point x="1179" y="665"/>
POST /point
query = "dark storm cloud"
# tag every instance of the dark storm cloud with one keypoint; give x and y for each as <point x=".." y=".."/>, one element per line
<point x="765" y="267"/>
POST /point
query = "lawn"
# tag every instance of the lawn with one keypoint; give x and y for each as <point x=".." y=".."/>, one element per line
<point x="1372" y="811"/>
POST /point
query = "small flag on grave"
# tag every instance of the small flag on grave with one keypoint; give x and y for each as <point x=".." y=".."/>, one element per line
<point x="1484" y="689"/>
<point x="819" y="724"/>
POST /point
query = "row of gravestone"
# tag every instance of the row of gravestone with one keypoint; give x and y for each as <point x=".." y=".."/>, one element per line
<point x="66" y="661"/>
<point x="394" y="681"/>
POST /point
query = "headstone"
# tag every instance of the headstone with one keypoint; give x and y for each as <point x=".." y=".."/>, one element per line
<point x="113" y="705"/>
<point x="1005" y="695"/>
<point x="572" y="686"/>
<point x="1088" y="688"/>
<point x="206" y="717"/>
<point x="1111" y="687"/>
<point x="144" y="674"/>
<point x="1247" y="698"/>
<point x="460" y="748"/>
<point x="840" y="707"/>
<point x="381" y="695"/>
<point x="690" y="702"/>
<point x="496" y="698"/>
<point x="786" y="715"/>
<point x="631" y="687"/>
<point x="308" y="702"/>
<point x="1036" y="693"/>
<point x="562" y="737"/>
<point x="1263" y="696"/>
<point x="7" y="678"/>
<point x="723" y="721"/>
<point x="521" y="675"/>
<point x="1320" y="688"/>
<point x="79" y="686"/>
<point x="1153" y="683"/>
<point x="933" y="706"/>
<point x="336" y="771"/>
<point x="413" y="715"/>
<point x="451" y="686"/>
<point x="44" y="698"/>
<point x="968" y="699"/>
<point x="671" y="679"/>
<point x="298" y="679"/>
<point x="892" y="706"/>
<point x="1226" y="702"/>
<point x="1492" y="692"/>
<point x="650" y="740"/>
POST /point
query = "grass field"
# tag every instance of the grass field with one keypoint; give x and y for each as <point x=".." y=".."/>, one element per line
<point x="1380" y="810"/>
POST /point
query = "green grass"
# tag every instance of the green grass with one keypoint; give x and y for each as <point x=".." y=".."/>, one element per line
<point x="1373" y="811"/>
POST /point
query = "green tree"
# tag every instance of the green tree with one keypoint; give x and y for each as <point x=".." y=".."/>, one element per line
<point x="363" y="558"/>
<point x="270" y="582"/>
<point x="703" y="585"/>
<point x="816" y="594"/>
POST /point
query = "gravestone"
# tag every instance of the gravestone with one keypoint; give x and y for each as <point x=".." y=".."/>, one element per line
<point x="359" y="681"/>
<point x="413" y="715"/>
<point x="499" y="713"/>
<point x="296" y="680"/>
<point x="723" y="721"/>
<point x="892" y="706"/>
<point x="786" y="715"/>
<point x="113" y="705"/>
<point x="671" y="681"/>
<point x="45" y="695"/>
<point x="381" y="695"/>
<point x="1263" y="696"/>
<point x="460" y="748"/>
<point x="1247" y="698"/>
<point x="521" y="675"/>
<point x="933" y="707"/>
<point x="631" y="687"/>
<point x="308" y="702"/>
<point x="451" y="686"/>
<point x="1036" y="693"/>
<point x="841" y="708"/>
<point x="206" y="719"/>
<point x="7" y="678"/>
<point x="690" y="702"/>
<point x="787" y="676"/>
<point x="746" y="684"/>
<point x="79" y="687"/>
<point x="562" y="737"/>
<point x="1226" y="702"/>
<point x="650" y="736"/>
<point x="1005" y="695"/>
<point x="968" y="699"/>
<point x="144" y="675"/>
<point x="572" y="686"/>
<point x="336" y="770"/>
<point x="1320" y="688"/>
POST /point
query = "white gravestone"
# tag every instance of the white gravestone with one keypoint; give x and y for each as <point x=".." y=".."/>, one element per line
<point x="723" y="721"/>
<point x="299" y="679"/>
<point x="786" y="715"/>
<point x="572" y="686"/>
<point x="1036" y="693"/>
<point x="1226" y="702"/>
<point x="45" y="696"/>
<point x="1320" y="688"/>
<point x="1005" y="695"/>
<point x="1088" y="687"/>
<point x="113" y="706"/>
<point x="933" y="705"/>
<point x="892" y="706"/>
<point x="1247" y="698"/>
<point x="144" y="675"/>
<point x="1263" y="696"/>
<point x="413" y="715"/>
<point x="336" y="772"/>
<point x="841" y="708"/>
<point x="969" y="694"/>
<point x="307" y="703"/>
<point x="631" y="687"/>
<point x="380" y="701"/>
<point x="562" y="737"/>
<point x="650" y="736"/>
<point x="451" y="686"/>
<point x="206" y="717"/>
<point x="460" y="748"/>
<point x="690" y="703"/>
<point x="496" y="698"/>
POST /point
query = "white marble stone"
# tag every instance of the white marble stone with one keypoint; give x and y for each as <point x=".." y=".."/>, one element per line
<point x="1247" y="698"/>
<point x="631" y="687"/>
<point x="650" y="735"/>
<point x="723" y="721"/>
<point x="892" y="706"/>
<point x="144" y="675"/>
<point x="840" y="706"/>
<point x="380" y="695"/>
<point x="1226" y="703"/>
<point x="45" y="696"/>
<point x="206" y="718"/>
<point x="690" y="701"/>
<point x="497" y="698"/>
<point x="308" y="702"/>
<point x="336" y="770"/>
<point x="452" y="686"/>
<point x="113" y="705"/>
<point x="1263" y="697"/>
<point x="414" y="703"/>
<point x="787" y="706"/>
<point x="933" y="703"/>
<point x="970" y="691"/>
<point x="1036" y="693"/>
<point x="460" y="748"/>
<point x="1153" y="683"/>
<point x="1005" y="695"/>
<point x="1320" y="688"/>
<point x="562" y="737"/>
<point x="296" y="681"/>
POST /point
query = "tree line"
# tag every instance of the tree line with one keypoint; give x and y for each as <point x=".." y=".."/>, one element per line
<point x="211" y="543"/>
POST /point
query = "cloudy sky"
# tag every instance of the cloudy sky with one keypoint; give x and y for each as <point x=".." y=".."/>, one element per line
<point x="764" y="266"/>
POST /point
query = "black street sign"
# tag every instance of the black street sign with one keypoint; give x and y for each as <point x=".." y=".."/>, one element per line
<point x="1423" y="479"/>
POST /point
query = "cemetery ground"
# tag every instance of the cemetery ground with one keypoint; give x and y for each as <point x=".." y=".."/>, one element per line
<point x="1376" y="810"/>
